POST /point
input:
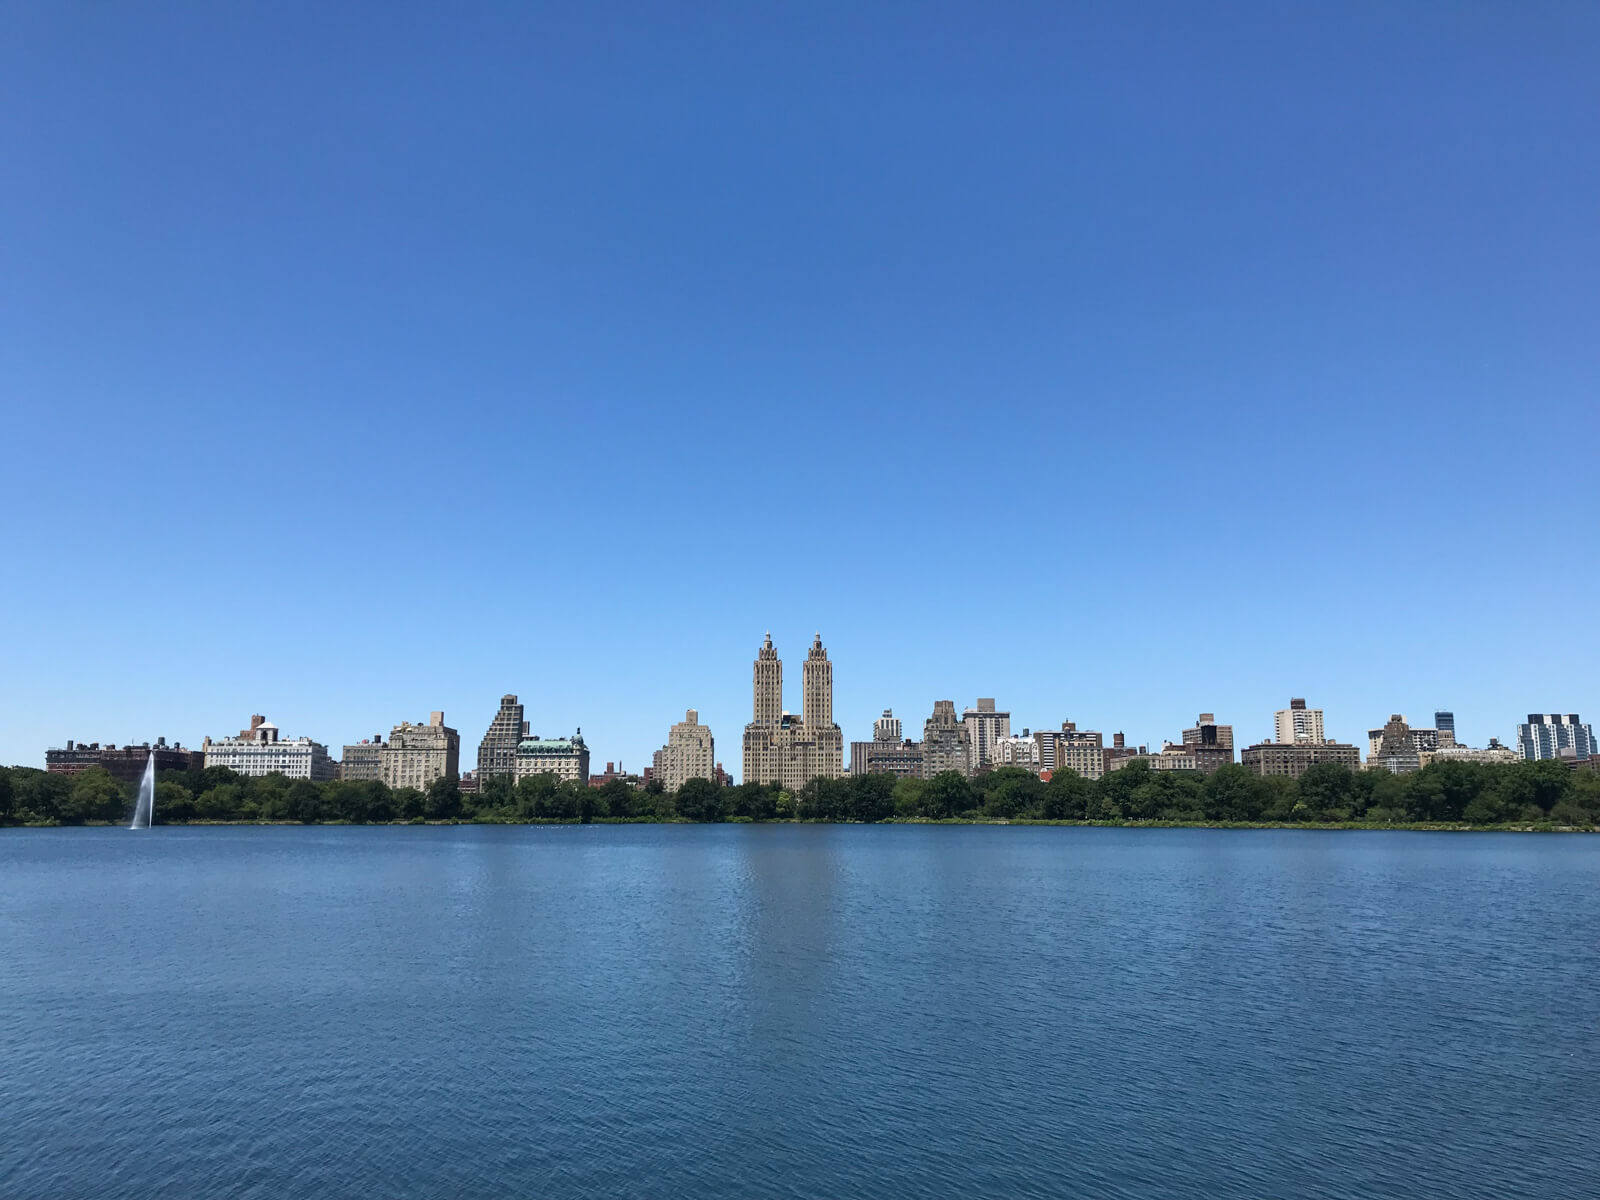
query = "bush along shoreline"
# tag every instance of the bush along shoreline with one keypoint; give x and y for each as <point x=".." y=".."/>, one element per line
<point x="1443" y="796"/>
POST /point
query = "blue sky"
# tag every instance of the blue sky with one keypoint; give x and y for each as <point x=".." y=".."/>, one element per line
<point x="1116" y="361"/>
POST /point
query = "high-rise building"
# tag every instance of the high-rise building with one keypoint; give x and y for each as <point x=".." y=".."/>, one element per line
<point x="497" y="752"/>
<point x="416" y="755"/>
<point x="690" y="753"/>
<point x="1069" y="748"/>
<point x="565" y="758"/>
<point x="1210" y="744"/>
<point x="260" y="750"/>
<point x="768" y="686"/>
<point x="1297" y="723"/>
<point x="1397" y="748"/>
<point x="780" y="747"/>
<point x="945" y="742"/>
<point x="1425" y="741"/>
<point x="1555" y="735"/>
<point x="985" y="726"/>
<point x="1445" y="723"/>
<point x="887" y="727"/>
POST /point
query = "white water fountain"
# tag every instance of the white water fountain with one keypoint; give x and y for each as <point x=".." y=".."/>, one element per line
<point x="145" y="810"/>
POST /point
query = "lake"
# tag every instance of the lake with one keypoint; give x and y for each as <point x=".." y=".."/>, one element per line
<point x="797" y="1011"/>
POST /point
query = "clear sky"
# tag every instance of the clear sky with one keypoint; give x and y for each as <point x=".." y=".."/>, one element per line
<point x="1118" y="361"/>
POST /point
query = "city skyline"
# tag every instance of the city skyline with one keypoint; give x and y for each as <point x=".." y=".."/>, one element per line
<point x="1070" y="357"/>
<point x="771" y="699"/>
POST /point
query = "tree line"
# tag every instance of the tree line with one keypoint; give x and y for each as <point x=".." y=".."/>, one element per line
<point x="1538" y="793"/>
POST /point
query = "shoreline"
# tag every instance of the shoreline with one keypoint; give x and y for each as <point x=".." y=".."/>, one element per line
<point x="1330" y="826"/>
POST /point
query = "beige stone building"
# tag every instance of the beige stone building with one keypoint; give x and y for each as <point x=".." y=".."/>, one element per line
<point x="416" y="755"/>
<point x="565" y="758"/>
<point x="946" y="742"/>
<point x="690" y="753"/>
<point x="780" y="747"/>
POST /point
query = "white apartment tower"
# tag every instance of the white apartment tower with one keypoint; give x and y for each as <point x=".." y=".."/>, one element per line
<point x="1297" y="724"/>
<point x="887" y="727"/>
<point x="985" y="727"/>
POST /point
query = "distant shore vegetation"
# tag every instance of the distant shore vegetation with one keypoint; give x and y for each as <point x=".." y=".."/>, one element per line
<point x="1542" y="795"/>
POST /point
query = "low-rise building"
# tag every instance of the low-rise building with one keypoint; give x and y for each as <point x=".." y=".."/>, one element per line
<point x="363" y="761"/>
<point x="1170" y="758"/>
<point x="1119" y="749"/>
<point x="615" y="773"/>
<point x="1023" y="752"/>
<point x="126" y="763"/>
<point x="902" y="759"/>
<point x="1293" y="759"/>
<point x="1494" y="754"/>
<point x="261" y="750"/>
<point x="565" y="758"/>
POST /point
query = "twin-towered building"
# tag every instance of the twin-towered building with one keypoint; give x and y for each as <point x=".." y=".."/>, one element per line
<point x="785" y="749"/>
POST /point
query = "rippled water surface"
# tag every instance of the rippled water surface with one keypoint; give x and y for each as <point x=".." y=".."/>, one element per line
<point x="797" y="1011"/>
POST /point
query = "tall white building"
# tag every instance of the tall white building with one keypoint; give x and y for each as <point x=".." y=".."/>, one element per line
<point x="1297" y="723"/>
<point x="887" y="727"/>
<point x="985" y="727"/>
<point x="690" y="753"/>
<point x="1555" y="735"/>
<point x="260" y="750"/>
